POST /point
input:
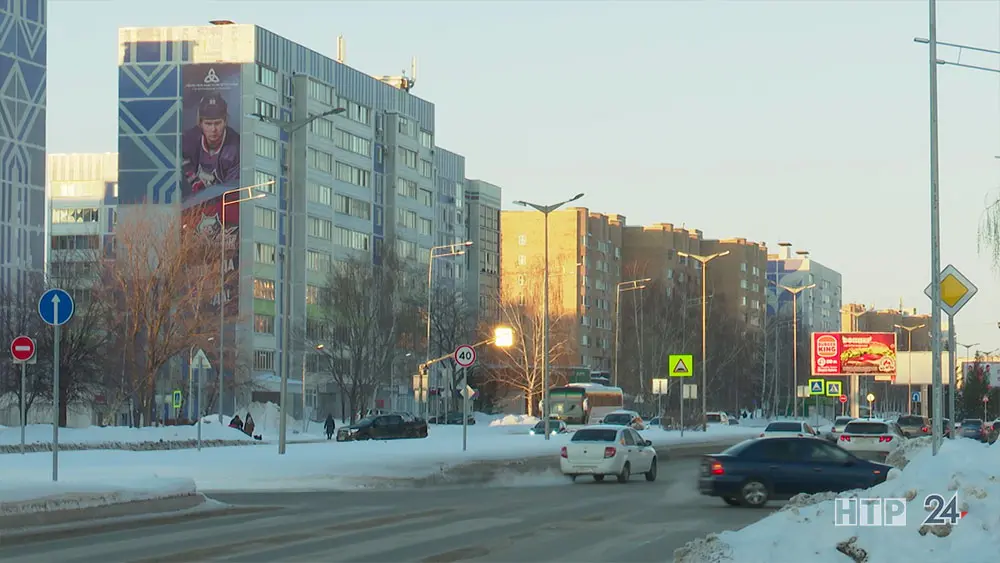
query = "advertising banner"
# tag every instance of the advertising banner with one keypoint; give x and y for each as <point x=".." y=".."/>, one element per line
<point x="990" y="371"/>
<point x="210" y="159"/>
<point x="848" y="353"/>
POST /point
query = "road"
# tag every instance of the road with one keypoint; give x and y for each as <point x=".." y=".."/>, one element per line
<point x="530" y="518"/>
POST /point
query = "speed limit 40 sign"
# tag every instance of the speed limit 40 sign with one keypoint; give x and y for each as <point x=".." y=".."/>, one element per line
<point x="465" y="356"/>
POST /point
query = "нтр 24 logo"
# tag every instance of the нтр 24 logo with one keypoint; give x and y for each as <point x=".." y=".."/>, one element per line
<point x="881" y="511"/>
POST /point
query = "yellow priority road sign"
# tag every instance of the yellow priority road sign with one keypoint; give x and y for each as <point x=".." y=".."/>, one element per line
<point x="681" y="365"/>
<point x="956" y="290"/>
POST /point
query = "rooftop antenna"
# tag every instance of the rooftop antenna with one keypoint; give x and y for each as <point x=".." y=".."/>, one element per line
<point x="403" y="82"/>
<point x="341" y="49"/>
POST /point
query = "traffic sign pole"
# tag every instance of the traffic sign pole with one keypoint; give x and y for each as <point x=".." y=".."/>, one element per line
<point x="465" y="356"/>
<point x="56" y="308"/>
<point x="951" y="377"/>
<point x="24" y="401"/>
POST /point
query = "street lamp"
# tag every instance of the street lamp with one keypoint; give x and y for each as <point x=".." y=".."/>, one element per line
<point x="795" y="291"/>
<point x="224" y="241"/>
<point x="704" y="328"/>
<point x="909" y="352"/>
<point x="855" y="378"/>
<point x="456" y="249"/>
<point x="623" y="286"/>
<point x="546" y="210"/>
<point x="293" y="128"/>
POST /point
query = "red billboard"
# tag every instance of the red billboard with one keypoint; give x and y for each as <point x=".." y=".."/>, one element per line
<point x="854" y="353"/>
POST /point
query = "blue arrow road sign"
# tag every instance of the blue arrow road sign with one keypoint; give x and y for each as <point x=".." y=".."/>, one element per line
<point x="56" y="307"/>
<point x="916" y="396"/>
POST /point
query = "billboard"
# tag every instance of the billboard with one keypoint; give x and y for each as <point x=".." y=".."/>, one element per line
<point x="849" y="353"/>
<point x="210" y="159"/>
<point x="990" y="371"/>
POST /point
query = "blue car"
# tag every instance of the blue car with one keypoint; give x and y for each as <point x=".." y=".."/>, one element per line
<point x="762" y="469"/>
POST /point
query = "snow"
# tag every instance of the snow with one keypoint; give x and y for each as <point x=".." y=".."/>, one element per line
<point x="804" y="530"/>
<point x="23" y="497"/>
<point x="515" y="420"/>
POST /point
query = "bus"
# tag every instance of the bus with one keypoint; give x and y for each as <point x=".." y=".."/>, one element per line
<point x="583" y="403"/>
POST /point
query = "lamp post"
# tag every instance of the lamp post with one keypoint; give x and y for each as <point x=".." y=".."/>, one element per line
<point x="456" y="249"/>
<point x="293" y="206"/>
<point x="855" y="378"/>
<point x="795" y="291"/>
<point x="909" y="352"/>
<point x="623" y="286"/>
<point x="704" y="260"/>
<point x="224" y="241"/>
<point x="546" y="210"/>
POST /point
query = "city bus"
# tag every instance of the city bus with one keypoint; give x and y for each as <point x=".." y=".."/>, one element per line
<point x="584" y="403"/>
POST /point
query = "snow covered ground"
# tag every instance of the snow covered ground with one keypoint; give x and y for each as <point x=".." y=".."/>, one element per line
<point x="806" y="532"/>
<point x="20" y="497"/>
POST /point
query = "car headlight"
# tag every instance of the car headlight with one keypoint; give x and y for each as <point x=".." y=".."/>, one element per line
<point x="532" y="431"/>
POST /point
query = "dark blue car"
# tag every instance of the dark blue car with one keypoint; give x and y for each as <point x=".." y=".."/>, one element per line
<point x="761" y="469"/>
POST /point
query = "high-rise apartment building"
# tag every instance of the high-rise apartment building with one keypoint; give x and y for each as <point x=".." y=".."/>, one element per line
<point x="740" y="277"/>
<point x="451" y="212"/>
<point x="482" y="259"/>
<point x="358" y="179"/>
<point x="23" y="40"/>
<point x="585" y="266"/>
<point x="819" y="308"/>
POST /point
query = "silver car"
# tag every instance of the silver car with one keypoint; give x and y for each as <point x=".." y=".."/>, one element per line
<point x="838" y="428"/>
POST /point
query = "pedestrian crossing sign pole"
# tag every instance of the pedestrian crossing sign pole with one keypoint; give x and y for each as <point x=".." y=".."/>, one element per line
<point x="816" y="389"/>
<point x="681" y="365"/>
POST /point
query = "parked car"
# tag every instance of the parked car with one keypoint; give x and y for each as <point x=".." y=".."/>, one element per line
<point x="555" y="427"/>
<point x="788" y="428"/>
<point x="384" y="427"/>
<point x="994" y="432"/>
<point x="624" y="418"/>
<point x="604" y="450"/>
<point x="975" y="429"/>
<point x="717" y="418"/>
<point x="838" y="427"/>
<point x="914" y="426"/>
<point x="758" y="470"/>
<point x="871" y="438"/>
<point x="451" y="418"/>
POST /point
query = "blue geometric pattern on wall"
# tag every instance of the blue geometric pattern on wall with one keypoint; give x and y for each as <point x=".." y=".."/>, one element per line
<point x="148" y="81"/>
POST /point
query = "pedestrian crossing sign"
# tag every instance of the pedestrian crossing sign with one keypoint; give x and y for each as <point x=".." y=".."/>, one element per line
<point x="681" y="365"/>
<point x="816" y="387"/>
<point x="833" y="389"/>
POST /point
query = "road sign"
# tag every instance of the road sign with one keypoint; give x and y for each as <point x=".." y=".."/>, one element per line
<point x="660" y="386"/>
<point x="465" y="355"/>
<point x="986" y="399"/>
<point x="580" y="375"/>
<point x="843" y="399"/>
<point x="690" y="391"/>
<point x="56" y="307"/>
<point x="178" y="398"/>
<point x="833" y="388"/>
<point x="870" y="397"/>
<point x="956" y="290"/>
<point x="816" y="386"/>
<point x="801" y="391"/>
<point x="681" y="365"/>
<point x="22" y="349"/>
<point x="469" y="393"/>
<point x="916" y="397"/>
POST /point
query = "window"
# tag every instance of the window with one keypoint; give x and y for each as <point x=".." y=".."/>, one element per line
<point x="265" y="218"/>
<point x="406" y="188"/>
<point x="320" y="228"/>
<point x="267" y="77"/>
<point x="353" y="239"/>
<point x="320" y="92"/>
<point x="263" y="289"/>
<point x="743" y="267"/>
<point x="425" y="226"/>
<point x="522" y="260"/>
<point x="408" y="158"/>
<point x="353" y="175"/>
<point x="318" y="193"/>
<point x="312" y="295"/>
<point x="319" y="160"/>
<point x="426" y="168"/>
<point x="353" y="143"/>
<point x="407" y="127"/>
<point x="406" y="219"/>
<point x="522" y="240"/>
<point x="322" y="128"/>
<point x="426" y="197"/>
<point x="426" y="139"/>
<point x="266" y="108"/>
<point x="76" y="242"/>
<point x="266" y="147"/>
<point x="317" y="261"/>
<point x="352" y="206"/>
<point x="423" y="255"/>
<point x="743" y="284"/>
<point x="263" y="360"/>
<point x="355" y="111"/>
<point x="406" y="250"/>
<point x="265" y="253"/>
<point x="263" y="324"/>
<point x="260" y="178"/>
<point x="79" y="215"/>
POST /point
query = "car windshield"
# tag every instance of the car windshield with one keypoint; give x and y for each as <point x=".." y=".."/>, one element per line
<point x="842" y="420"/>
<point x="713" y="417"/>
<point x="618" y="418"/>
<point x="867" y="428"/>
<point x="553" y="424"/>
<point x="784" y="427"/>
<point x="911" y="420"/>
<point x="366" y="421"/>
<point x="595" y="435"/>
<point x="973" y="423"/>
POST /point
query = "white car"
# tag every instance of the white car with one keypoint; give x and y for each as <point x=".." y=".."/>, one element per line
<point x="838" y="427"/>
<point x="608" y="450"/>
<point x="871" y="438"/>
<point x="624" y="418"/>
<point x="788" y="428"/>
<point x="717" y="418"/>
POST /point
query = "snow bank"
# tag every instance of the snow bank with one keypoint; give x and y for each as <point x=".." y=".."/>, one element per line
<point x="515" y="420"/>
<point x="806" y="532"/>
<point x="31" y="497"/>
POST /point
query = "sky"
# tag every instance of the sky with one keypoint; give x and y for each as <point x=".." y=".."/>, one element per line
<point x="792" y="120"/>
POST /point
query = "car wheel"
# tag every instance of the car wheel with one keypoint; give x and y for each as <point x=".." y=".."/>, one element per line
<point x="651" y="474"/>
<point x="731" y="501"/>
<point x="626" y="473"/>
<point x="598" y="478"/>
<point x="754" y="493"/>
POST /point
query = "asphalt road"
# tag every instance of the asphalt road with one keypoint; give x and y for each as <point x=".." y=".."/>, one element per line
<point x="527" y="518"/>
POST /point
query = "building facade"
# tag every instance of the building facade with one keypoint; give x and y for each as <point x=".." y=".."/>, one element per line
<point x="482" y="259"/>
<point x="450" y="211"/>
<point x="23" y="44"/>
<point x="819" y="308"/>
<point x="358" y="179"/>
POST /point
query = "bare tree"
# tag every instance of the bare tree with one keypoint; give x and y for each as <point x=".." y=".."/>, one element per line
<point x="453" y="323"/>
<point x="162" y="279"/>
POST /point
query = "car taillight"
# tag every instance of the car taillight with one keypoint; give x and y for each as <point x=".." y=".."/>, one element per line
<point x="884" y="439"/>
<point x="924" y="429"/>
<point x="610" y="452"/>
<point x="761" y="434"/>
<point x="800" y="435"/>
<point x="562" y="452"/>
<point x="717" y="469"/>
<point x="844" y="438"/>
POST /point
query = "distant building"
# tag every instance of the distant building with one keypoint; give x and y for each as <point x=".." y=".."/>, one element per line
<point x="819" y="308"/>
<point x="482" y="259"/>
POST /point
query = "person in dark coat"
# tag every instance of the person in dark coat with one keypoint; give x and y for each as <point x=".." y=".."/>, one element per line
<point x="236" y="423"/>
<point x="329" y="426"/>
<point x="248" y="425"/>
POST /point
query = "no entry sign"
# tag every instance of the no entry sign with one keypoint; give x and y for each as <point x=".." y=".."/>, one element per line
<point x="22" y="349"/>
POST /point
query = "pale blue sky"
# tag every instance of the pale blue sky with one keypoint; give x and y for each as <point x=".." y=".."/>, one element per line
<point x="787" y="120"/>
